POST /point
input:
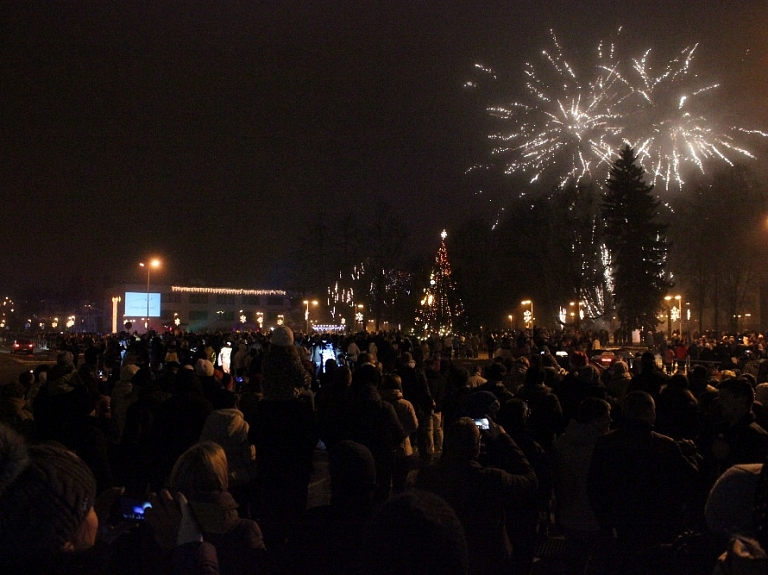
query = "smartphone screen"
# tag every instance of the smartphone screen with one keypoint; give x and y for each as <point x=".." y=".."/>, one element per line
<point x="133" y="509"/>
<point x="483" y="423"/>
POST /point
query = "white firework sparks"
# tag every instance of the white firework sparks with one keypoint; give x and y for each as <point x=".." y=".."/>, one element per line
<point x="574" y="127"/>
<point x="665" y="125"/>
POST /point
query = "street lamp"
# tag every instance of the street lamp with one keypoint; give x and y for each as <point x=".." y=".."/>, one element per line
<point x="149" y="265"/>
<point x="306" y="311"/>
<point x="528" y="314"/>
<point x="577" y="315"/>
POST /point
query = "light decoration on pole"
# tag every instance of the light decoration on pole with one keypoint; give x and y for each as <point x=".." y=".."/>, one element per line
<point x="306" y="302"/>
<point x="528" y="314"/>
<point x="115" y="300"/>
<point x="440" y="308"/>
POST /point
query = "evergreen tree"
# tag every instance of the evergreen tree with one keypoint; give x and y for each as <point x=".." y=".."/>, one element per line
<point x="441" y="309"/>
<point x="637" y="243"/>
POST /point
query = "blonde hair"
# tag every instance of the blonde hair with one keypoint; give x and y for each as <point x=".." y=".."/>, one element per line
<point x="200" y="469"/>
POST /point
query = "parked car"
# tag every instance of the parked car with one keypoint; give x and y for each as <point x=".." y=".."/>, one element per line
<point x="604" y="358"/>
<point x="23" y="346"/>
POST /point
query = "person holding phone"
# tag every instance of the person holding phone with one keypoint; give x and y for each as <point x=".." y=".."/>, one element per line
<point x="479" y="495"/>
<point x="52" y="522"/>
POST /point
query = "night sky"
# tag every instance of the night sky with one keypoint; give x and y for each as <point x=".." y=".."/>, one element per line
<point x="209" y="133"/>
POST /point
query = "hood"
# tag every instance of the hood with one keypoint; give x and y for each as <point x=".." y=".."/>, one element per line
<point x="224" y="423"/>
<point x="391" y="394"/>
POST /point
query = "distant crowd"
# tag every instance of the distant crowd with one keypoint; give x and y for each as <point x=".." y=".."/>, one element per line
<point x="193" y="453"/>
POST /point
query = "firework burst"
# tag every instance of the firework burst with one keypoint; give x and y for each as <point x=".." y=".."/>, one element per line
<point x="572" y="127"/>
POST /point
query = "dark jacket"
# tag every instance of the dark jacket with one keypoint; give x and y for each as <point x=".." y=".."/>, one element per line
<point x="416" y="390"/>
<point x="479" y="496"/>
<point x="639" y="483"/>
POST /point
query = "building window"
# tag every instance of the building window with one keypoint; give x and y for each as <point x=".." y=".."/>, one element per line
<point x="198" y="298"/>
<point x="171" y="297"/>
<point x="198" y="315"/>
<point x="225" y="299"/>
<point x="275" y="300"/>
<point x="251" y="300"/>
<point x="226" y="315"/>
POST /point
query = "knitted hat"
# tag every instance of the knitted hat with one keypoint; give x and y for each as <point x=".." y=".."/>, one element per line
<point x="282" y="335"/>
<point x="46" y="492"/>
<point x="203" y="368"/>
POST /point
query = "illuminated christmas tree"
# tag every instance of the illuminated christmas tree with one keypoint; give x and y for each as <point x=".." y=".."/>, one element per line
<point x="441" y="309"/>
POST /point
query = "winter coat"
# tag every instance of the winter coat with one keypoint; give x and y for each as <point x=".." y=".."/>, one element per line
<point x="479" y="496"/>
<point x="407" y="417"/>
<point x="639" y="483"/>
<point x="571" y="455"/>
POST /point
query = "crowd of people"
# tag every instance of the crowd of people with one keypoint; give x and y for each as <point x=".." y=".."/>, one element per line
<point x="192" y="453"/>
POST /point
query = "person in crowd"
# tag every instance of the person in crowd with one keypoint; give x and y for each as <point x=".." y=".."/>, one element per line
<point x="283" y="429"/>
<point x="52" y="522"/>
<point x="177" y="424"/>
<point x="416" y="533"/>
<point x="476" y="379"/>
<point x="650" y="379"/>
<point x="363" y="417"/>
<point x="330" y="538"/>
<point x="416" y="390"/>
<point x="546" y="415"/>
<point x="392" y="392"/>
<point x="438" y="383"/>
<point x="736" y="437"/>
<point x="228" y="428"/>
<point x="677" y="411"/>
<point x="640" y="483"/>
<point x="570" y="458"/>
<point x="479" y="495"/>
<point x="14" y="410"/>
<point x="617" y="379"/>
<point x="122" y="398"/>
<point x="202" y="474"/>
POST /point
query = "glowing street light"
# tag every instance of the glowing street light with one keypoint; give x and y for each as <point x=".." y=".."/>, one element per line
<point x="577" y="314"/>
<point x="306" y="311"/>
<point x="528" y="314"/>
<point x="149" y="265"/>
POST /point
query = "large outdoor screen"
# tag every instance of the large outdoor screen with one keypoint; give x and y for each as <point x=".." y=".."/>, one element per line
<point x="136" y="304"/>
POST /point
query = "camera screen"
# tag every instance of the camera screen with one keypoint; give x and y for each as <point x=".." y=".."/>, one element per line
<point x="133" y="509"/>
<point x="482" y="423"/>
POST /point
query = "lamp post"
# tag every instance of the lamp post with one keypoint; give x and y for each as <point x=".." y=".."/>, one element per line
<point x="306" y="311"/>
<point x="528" y="314"/>
<point x="149" y="265"/>
<point x="577" y="315"/>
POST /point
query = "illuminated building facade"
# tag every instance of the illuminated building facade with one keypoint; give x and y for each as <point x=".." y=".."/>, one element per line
<point x="196" y="308"/>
